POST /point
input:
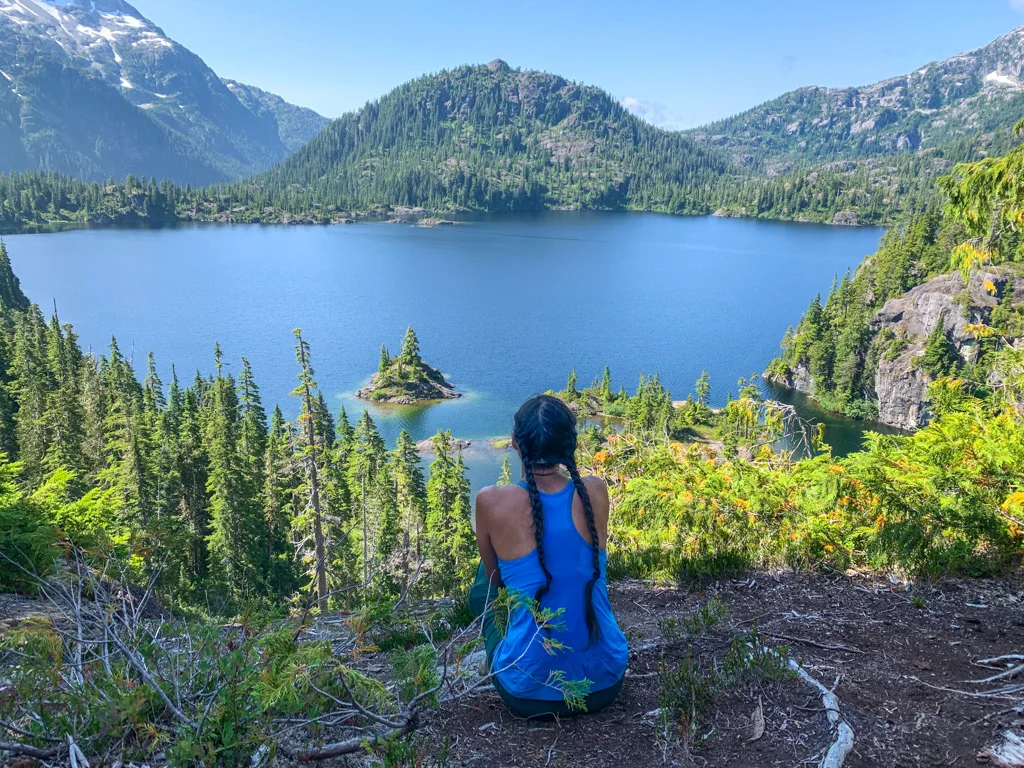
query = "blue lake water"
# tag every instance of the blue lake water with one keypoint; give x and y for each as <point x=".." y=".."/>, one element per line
<point x="505" y="306"/>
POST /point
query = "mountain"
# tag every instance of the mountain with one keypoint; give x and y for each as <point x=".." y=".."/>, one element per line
<point x="295" y="125"/>
<point x="94" y="89"/>
<point x="972" y="94"/>
<point x="496" y="138"/>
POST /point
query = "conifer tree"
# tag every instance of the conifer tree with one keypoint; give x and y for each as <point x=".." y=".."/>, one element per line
<point x="125" y="446"/>
<point x="253" y="426"/>
<point x="940" y="356"/>
<point x="411" y="498"/>
<point x="307" y="392"/>
<point x="505" y="478"/>
<point x="65" y="418"/>
<point x="448" y="527"/>
<point x="606" y="385"/>
<point x="159" y="422"/>
<point x="411" y="350"/>
<point x="703" y="388"/>
<point x="236" y="519"/>
<point x="278" y="486"/>
<point x="385" y="363"/>
<point x="324" y="422"/>
<point x="368" y="457"/>
<point x="32" y="386"/>
<point x="11" y="295"/>
<point x="193" y="513"/>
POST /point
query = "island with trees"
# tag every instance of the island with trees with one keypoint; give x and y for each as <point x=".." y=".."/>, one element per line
<point x="406" y="379"/>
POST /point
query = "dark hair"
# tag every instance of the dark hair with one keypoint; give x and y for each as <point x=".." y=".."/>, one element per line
<point x="545" y="433"/>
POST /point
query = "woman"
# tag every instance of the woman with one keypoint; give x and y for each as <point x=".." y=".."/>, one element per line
<point x="545" y="537"/>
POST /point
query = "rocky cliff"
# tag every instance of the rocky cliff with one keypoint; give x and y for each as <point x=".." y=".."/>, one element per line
<point x="899" y="334"/>
<point x="904" y="324"/>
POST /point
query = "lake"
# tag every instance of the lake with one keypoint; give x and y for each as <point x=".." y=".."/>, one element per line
<point x="505" y="306"/>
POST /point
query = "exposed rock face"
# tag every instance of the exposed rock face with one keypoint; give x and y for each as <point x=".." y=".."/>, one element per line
<point x="846" y="219"/>
<point x="901" y="384"/>
<point x="457" y="445"/>
<point x="798" y="378"/>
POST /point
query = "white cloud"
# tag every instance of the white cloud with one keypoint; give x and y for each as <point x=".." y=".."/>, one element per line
<point x="658" y="114"/>
<point x="1017" y="5"/>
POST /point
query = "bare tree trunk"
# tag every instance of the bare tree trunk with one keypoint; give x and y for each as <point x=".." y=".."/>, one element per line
<point x="366" y="543"/>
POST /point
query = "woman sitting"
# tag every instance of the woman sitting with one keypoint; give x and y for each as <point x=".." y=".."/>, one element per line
<point x="545" y="538"/>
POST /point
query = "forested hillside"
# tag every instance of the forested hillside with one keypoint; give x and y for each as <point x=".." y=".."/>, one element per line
<point x="494" y="138"/>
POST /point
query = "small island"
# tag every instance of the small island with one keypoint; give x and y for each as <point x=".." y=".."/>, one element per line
<point x="406" y="379"/>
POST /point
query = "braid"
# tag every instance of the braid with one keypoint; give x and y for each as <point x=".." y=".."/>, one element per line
<point x="537" y="509"/>
<point x="588" y="511"/>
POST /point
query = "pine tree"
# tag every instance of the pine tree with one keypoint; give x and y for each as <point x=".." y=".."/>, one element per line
<point x="32" y="385"/>
<point x="368" y="457"/>
<point x="159" y="423"/>
<point x="236" y="519"/>
<point x="411" y="350"/>
<point x="65" y="418"/>
<point x="324" y="422"/>
<point x="606" y="385"/>
<point x="193" y="512"/>
<point x="506" y="472"/>
<point x="411" y="500"/>
<point x="448" y="527"/>
<point x="570" y="385"/>
<point x="306" y="391"/>
<point x="703" y="388"/>
<point x="278" y="486"/>
<point x="11" y="295"/>
<point x="125" y="445"/>
<point x="940" y="356"/>
<point x="253" y="426"/>
<point x="385" y="364"/>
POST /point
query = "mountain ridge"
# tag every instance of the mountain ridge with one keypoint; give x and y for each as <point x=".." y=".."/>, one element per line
<point x="974" y="92"/>
<point x="178" y="119"/>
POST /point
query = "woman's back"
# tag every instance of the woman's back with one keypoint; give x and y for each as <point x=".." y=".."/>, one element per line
<point x="544" y="539"/>
<point x="524" y="666"/>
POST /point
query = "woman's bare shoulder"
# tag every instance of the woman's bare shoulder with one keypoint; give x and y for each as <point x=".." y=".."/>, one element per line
<point x="497" y="498"/>
<point x="596" y="486"/>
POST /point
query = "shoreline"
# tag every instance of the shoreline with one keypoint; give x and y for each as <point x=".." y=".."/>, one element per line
<point x="409" y="219"/>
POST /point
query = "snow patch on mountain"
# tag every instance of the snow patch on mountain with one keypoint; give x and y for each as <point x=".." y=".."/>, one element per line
<point x="996" y="77"/>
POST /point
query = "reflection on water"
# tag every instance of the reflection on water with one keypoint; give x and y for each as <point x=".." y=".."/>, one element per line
<point x="844" y="435"/>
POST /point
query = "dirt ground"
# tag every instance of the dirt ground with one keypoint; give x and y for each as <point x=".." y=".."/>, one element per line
<point x="886" y="647"/>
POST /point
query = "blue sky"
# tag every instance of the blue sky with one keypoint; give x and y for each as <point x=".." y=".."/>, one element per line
<point x="692" y="61"/>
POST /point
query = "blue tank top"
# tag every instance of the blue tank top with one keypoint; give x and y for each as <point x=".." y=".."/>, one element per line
<point x="522" y="664"/>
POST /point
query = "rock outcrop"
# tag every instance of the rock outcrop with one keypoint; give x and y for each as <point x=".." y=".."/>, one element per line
<point x="901" y="384"/>
<point x="457" y="445"/>
<point x="432" y="387"/>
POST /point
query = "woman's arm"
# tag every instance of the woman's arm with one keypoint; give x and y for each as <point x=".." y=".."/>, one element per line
<point x="484" y="508"/>
<point x="597" y="490"/>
